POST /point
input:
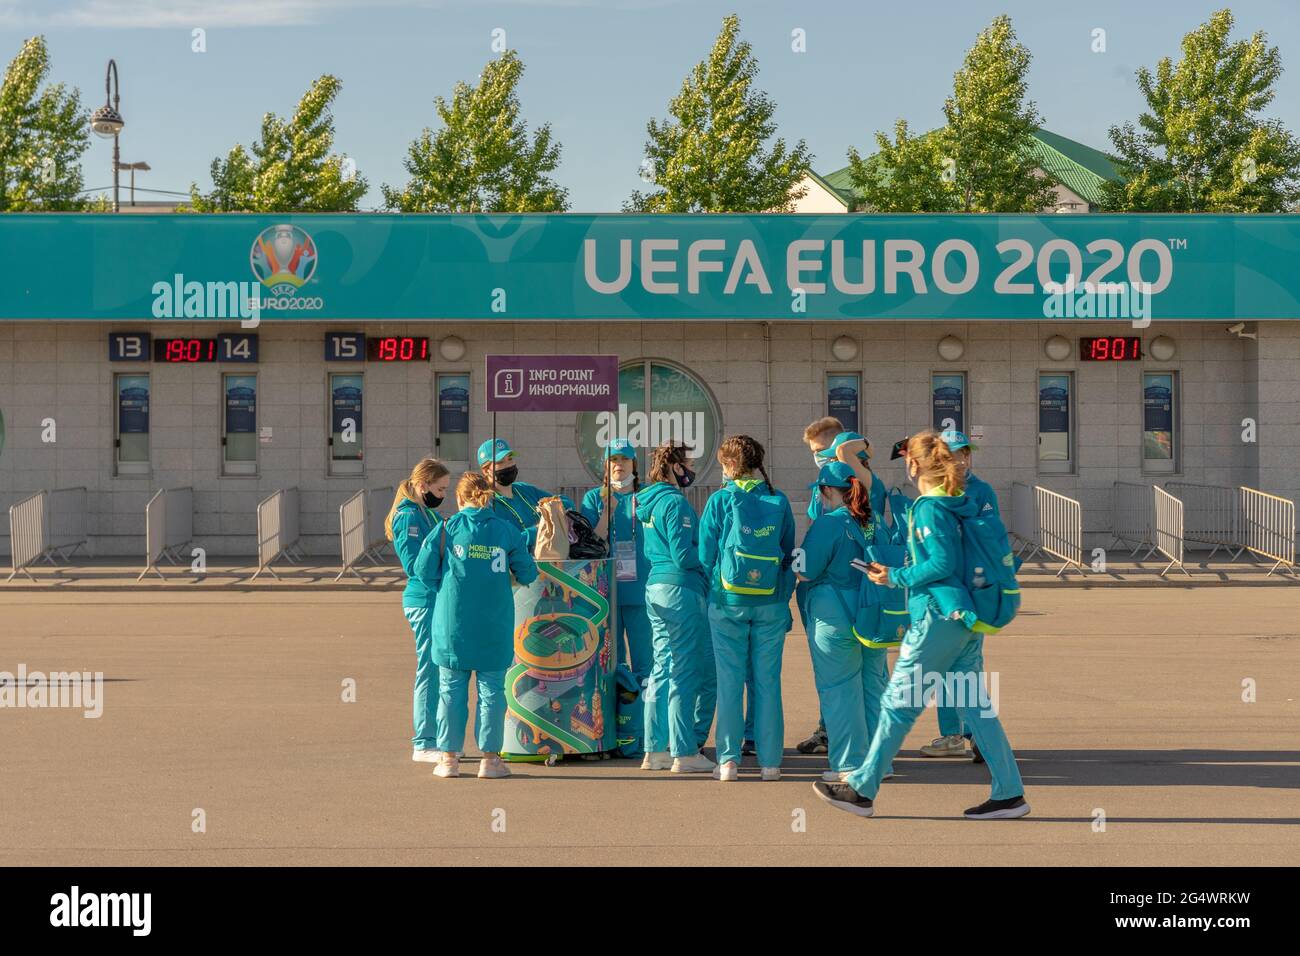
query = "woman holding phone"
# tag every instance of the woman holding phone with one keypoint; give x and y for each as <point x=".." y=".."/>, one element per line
<point x="935" y="644"/>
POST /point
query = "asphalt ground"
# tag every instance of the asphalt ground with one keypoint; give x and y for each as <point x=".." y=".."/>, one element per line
<point x="1125" y="707"/>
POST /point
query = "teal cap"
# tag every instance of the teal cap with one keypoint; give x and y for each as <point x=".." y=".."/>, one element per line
<point x="620" y="448"/>
<point x="956" y="441"/>
<point x="493" y="452"/>
<point x="834" y="475"/>
<point x="828" y="453"/>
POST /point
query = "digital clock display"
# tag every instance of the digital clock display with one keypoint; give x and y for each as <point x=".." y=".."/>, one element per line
<point x="185" y="350"/>
<point x="1110" y="348"/>
<point x="397" y="348"/>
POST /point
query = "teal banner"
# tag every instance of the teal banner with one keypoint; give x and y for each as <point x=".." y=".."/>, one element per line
<point x="609" y="267"/>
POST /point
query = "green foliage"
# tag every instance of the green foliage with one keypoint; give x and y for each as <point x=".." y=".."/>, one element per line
<point x="482" y="159"/>
<point x="290" y="169"/>
<point x="710" y="155"/>
<point x="1201" y="145"/>
<point x="43" y="134"/>
<point x="981" y="160"/>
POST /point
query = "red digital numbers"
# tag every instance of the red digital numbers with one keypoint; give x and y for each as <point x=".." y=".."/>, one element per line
<point x="185" y="350"/>
<point x="1111" y="348"/>
<point x="397" y="348"/>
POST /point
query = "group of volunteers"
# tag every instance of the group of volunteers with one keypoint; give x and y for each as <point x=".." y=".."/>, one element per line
<point x="704" y="605"/>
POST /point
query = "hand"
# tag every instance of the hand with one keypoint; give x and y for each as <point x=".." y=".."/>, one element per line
<point x="879" y="574"/>
<point x="848" y="452"/>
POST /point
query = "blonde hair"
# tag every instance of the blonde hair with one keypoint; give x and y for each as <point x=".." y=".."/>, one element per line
<point x="473" y="490"/>
<point x="936" y="462"/>
<point x="821" y="427"/>
<point x="425" y="472"/>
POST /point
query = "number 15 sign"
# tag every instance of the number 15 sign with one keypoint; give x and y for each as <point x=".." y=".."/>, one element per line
<point x="552" y="383"/>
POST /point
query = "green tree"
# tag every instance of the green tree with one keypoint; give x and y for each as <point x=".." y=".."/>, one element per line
<point x="982" y="159"/>
<point x="710" y="155"/>
<point x="1201" y="145"/>
<point x="291" y="168"/>
<point x="482" y="159"/>
<point x="990" y="128"/>
<point x="907" y="175"/>
<point x="43" y="134"/>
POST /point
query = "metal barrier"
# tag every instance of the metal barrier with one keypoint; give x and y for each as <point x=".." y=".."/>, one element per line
<point x="1024" y="519"/>
<point x="168" y="525"/>
<point x="1268" y="527"/>
<point x="277" y="530"/>
<point x="1133" y="517"/>
<point x="27" y="530"/>
<point x="1059" y="528"/>
<point x="65" y="521"/>
<point x="361" y="528"/>
<point x="378" y="501"/>
<point x="1209" y="515"/>
<point x="1169" y="530"/>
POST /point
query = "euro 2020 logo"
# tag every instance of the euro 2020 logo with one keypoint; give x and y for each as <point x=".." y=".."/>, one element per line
<point x="283" y="258"/>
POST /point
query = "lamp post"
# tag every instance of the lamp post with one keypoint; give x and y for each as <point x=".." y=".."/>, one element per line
<point x="107" y="121"/>
<point x="143" y="167"/>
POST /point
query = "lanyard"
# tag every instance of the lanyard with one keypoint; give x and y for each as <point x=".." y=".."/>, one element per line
<point x="506" y="501"/>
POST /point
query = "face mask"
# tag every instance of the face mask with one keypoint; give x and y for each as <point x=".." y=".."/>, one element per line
<point x="431" y="500"/>
<point x="620" y="485"/>
<point x="685" y="479"/>
<point x="507" y="476"/>
<point x="818" y="460"/>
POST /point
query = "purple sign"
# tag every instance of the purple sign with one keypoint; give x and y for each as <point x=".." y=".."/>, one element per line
<point x="552" y="383"/>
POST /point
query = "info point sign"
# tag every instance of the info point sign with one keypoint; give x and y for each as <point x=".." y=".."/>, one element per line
<point x="552" y="383"/>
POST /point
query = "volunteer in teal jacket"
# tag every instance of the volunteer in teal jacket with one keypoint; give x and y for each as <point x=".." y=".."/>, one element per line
<point x="952" y="738"/>
<point x="850" y="676"/>
<point x="472" y="560"/>
<point x="627" y="547"/>
<point x="675" y="603"/>
<point x="855" y="451"/>
<point x="746" y="544"/>
<point x="934" y="645"/>
<point x="515" y="501"/>
<point x="412" y="518"/>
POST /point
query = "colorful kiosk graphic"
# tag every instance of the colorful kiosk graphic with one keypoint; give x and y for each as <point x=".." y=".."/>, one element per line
<point x="561" y="695"/>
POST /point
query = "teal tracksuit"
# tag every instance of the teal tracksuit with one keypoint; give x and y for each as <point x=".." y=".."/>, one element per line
<point x="474" y="619"/>
<point x="411" y="525"/>
<point x="850" y="677"/>
<point x="632" y="620"/>
<point x="936" y="647"/>
<point x="520" y="508"/>
<point x="986" y="502"/>
<point x="877" y="493"/>
<point x="748" y="629"/>
<point x="675" y="604"/>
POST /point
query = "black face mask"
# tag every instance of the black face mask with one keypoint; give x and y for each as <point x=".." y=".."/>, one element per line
<point x="686" y="478"/>
<point x="431" y="500"/>
<point x="507" y="476"/>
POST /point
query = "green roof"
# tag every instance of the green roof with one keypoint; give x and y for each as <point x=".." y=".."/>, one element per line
<point x="1079" y="168"/>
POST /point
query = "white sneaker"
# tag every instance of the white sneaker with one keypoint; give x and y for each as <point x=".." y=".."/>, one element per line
<point x="836" y="776"/>
<point x="726" y="772"/>
<point x="426" y="756"/>
<point x="953" y="745"/>
<point x="448" y="766"/>
<point x="696" y="763"/>
<point x="657" y="760"/>
<point x="769" y="773"/>
<point x="492" y="767"/>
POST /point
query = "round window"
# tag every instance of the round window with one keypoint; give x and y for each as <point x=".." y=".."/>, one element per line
<point x="657" y="401"/>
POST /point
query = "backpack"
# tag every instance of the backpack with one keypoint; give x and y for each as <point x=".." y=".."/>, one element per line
<point x="988" y="572"/>
<point x="881" y="619"/>
<point x="629" y="714"/>
<point x="899" y="504"/>
<point x="751" y="547"/>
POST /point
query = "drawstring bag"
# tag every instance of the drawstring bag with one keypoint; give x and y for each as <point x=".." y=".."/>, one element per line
<point x="552" y="530"/>
<point x="630" y="714"/>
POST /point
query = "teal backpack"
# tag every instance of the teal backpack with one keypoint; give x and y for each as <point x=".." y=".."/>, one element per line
<point x="899" y="505"/>
<point x="988" y="573"/>
<point x="881" y="619"/>
<point x="750" y="562"/>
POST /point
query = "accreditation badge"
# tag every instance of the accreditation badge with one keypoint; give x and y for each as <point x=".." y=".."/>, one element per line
<point x="625" y="560"/>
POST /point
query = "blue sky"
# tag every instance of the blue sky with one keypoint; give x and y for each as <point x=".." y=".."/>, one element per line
<point x="595" y="70"/>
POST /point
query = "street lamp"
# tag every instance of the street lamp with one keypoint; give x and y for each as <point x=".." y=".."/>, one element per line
<point x="143" y="167"/>
<point x="107" y="121"/>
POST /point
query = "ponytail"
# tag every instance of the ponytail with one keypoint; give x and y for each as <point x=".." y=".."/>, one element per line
<point x="425" y="472"/>
<point x="937" y="462"/>
<point x="858" y="500"/>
